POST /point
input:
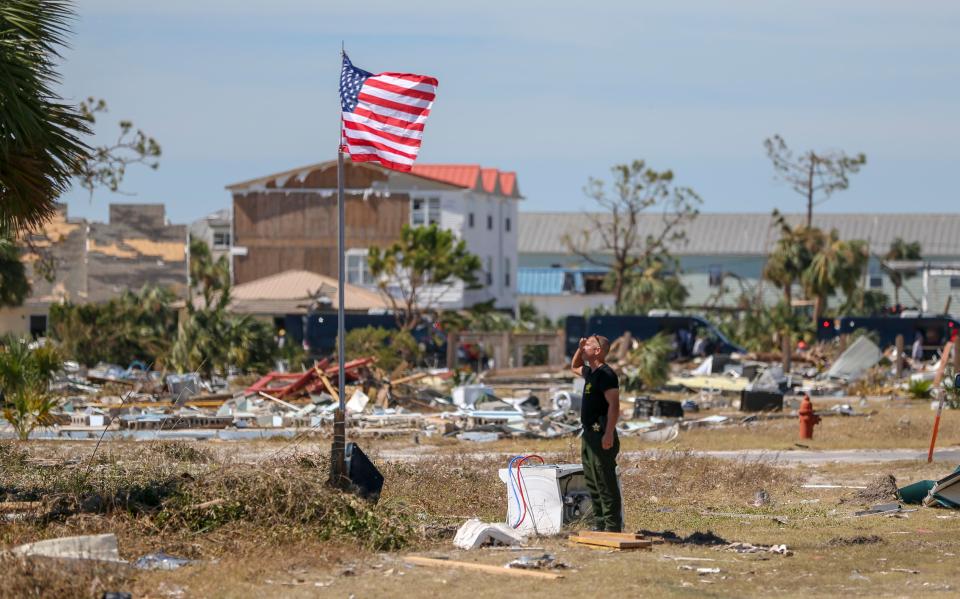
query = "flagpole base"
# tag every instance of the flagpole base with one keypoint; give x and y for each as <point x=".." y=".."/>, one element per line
<point x="338" y="455"/>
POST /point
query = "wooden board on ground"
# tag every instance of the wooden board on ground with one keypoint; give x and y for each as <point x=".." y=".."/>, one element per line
<point x="619" y="536"/>
<point x="448" y="563"/>
<point x="602" y="543"/>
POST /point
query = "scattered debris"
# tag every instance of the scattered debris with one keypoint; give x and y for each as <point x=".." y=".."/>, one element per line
<point x="749" y="548"/>
<point x="87" y="547"/>
<point x="161" y="561"/>
<point x="543" y="561"/>
<point x="942" y="493"/>
<point x="885" y="509"/>
<point x="446" y="563"/>
<point x="857" y="540"/>
<point x="474" y="534"/>
<point x="700" y="571"/>
<point x="862" y="355"/>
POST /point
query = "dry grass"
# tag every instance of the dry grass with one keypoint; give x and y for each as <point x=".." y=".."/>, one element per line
<point x="277" y="530"/>
<point x="904" y="427"/>
<point x="38" y="577"/>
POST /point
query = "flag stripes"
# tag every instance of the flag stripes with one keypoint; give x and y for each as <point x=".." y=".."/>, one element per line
<point x="383" y="115"/>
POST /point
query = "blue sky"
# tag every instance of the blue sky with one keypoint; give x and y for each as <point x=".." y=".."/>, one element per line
<point x="558" y="91"/>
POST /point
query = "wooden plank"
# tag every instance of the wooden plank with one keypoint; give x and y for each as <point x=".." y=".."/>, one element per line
<point x="611" y="543"/>
<point x="447" y="563"/>
<point x="616" y="536"/>
<point x="326" y="383"/>
<point x="411" y="378"/>
<point x="605" y="548"/>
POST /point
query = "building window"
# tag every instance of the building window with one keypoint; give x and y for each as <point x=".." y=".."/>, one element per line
<point x="221" y="240"/>
<point x="876" y="281"/>
<point x="470" y="219"/>
<point x="38" y="325"/>
<point x="506" y="225"/>
<point x="716" y="275"/>
<point x="593" y="282"/>
<point x="490" y="222"/>
<point x="954" y="282"/>
<point x="424" y="211"/>
<point x="506" y="271"/>
<point x="358" y="270"/>
<point x="489" y="271"/>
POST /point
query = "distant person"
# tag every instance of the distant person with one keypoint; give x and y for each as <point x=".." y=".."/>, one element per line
<point x="282" y="339"/>
<point x="916" y="353"/>
<point x="700" y="346"/>
<point x="599" y="412"/>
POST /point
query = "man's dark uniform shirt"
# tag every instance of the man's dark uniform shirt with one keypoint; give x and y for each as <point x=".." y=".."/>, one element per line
<point x="593" y="408"/>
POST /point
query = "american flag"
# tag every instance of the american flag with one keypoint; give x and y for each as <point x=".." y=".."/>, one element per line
<point x="383" y="115"/>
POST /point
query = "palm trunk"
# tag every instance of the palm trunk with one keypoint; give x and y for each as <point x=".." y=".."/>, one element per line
<point x="818" y="305"/>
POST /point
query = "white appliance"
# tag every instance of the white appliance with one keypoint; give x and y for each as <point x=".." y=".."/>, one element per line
<point x="553" y="495"/>
<point x="465" y="396"/>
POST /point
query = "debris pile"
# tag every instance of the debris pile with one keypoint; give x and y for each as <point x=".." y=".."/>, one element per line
<point x="659" y="402"/>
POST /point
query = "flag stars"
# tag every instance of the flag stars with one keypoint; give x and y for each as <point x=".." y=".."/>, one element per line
<point x="351" y="80"/>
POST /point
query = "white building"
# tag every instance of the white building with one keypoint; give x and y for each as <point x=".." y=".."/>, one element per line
<point x="288" y="221"/>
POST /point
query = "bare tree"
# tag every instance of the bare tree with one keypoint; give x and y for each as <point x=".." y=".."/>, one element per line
<point x="612" y="238"/>
<point x="812" y="174"/>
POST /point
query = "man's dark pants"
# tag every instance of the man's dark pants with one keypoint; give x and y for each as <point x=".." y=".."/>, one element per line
<point x="600" y="472"/>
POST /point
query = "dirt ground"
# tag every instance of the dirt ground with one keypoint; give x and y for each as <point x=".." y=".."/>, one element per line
<point x="278" y="533"/>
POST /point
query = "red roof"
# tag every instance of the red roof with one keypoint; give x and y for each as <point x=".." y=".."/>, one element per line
<point x="488" y="177"/>
<point x="508" y="183"/>
<point x="471" y="176"/>
<point x="461" y="175"/>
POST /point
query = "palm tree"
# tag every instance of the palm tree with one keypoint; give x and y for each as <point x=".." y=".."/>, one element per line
<point x="14" y="286"/>
<point x="901" y="250"/>
<point x="25" y="375"/>
<point x="40" y="145"/>
<point x="792" y="255"/>
<point x="838" y="266"/>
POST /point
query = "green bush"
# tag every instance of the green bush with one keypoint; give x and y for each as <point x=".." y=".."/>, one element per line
<point x="25" y="375"/>
<point x="135" y="326"/>
<point x="648" y="366"/>
<point x="920" y="389"/>
<point x="390" y="348"/>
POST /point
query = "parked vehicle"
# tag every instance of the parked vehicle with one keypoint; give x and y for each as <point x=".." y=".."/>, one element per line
<point x="935" y="331"/>
<point x="685" y="330"/>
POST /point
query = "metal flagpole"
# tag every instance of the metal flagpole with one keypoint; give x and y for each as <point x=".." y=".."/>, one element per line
<point x="338" y="474"/>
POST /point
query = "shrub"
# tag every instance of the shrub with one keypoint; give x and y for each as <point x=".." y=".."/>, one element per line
<point x="25" y="374"/>
<point x="391" y="348"/>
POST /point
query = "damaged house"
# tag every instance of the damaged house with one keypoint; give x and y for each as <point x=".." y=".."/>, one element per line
<point x="79" y="261"/>
<point x="288" y="221"/>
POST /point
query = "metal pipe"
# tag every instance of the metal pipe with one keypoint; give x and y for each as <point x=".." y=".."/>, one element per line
<point x="341" y="337"/>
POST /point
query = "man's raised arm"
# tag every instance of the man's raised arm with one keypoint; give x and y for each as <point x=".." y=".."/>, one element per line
<point x="577" y="362"/>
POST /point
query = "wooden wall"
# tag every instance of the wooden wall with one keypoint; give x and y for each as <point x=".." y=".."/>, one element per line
<point x="287" y="230"/>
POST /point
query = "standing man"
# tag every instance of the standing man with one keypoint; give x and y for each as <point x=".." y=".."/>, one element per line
<point x="599" y="412"/>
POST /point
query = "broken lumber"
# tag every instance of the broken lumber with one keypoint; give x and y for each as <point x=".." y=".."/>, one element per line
<point x="449" y="563"/>
<point x="598" y="542"/>
<point x="410" y="378"/>
<point x="620" y="536"/>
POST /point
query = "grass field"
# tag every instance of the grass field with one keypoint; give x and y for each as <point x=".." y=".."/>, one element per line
<point x="275" y="530"/>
